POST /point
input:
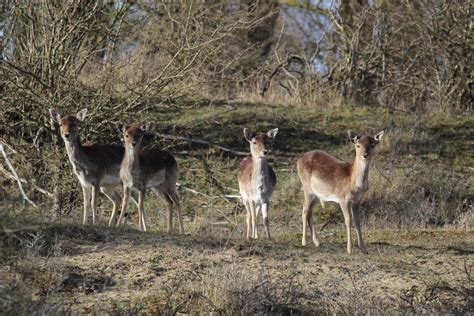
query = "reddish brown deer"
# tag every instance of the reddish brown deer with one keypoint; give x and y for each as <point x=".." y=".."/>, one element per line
<point x="141" y="169"/>
<point x="330" y="179"/>
<point x="256" y="180"/>
<point x="96" y="166"/>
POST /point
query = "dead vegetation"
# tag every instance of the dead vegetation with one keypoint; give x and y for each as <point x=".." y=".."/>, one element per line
<point x="72" y="269"/>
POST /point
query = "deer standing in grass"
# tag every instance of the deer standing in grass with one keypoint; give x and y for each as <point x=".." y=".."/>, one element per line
<point x="96" y="166"/>
<point x="330" y="179"/>
<point x="141" y="169"/>
<point x="256" y="180"/>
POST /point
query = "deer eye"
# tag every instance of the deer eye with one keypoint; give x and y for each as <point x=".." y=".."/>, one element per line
<point x="358" y="146"/>
<point x="255" y="143"/>
<point x="126" y="136"/>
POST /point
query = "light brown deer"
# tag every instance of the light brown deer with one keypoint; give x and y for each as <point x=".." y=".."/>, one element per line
<point x="257" y="180"/>
<point x="141" y="169"/>
<point x="330" y="179"/>
<point x="96" y="166"/>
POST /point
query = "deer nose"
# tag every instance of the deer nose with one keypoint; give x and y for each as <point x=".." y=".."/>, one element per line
<point x="366" y="155"/>
<point x="134" y="144"/>
<point x="265" y="152"/>
<point x="66" y="135"/>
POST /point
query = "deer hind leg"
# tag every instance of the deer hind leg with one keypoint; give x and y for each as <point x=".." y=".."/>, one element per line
<point x="312" y="224"/>
<point x="347" y="220"/>
<point x="113" y="196"/>
<point x="86" y="194"/>
<point x="355" y="216"/>
<point x="141" y="210"/>
<point x="308" y="204"/>
<point x="173" y="196"/>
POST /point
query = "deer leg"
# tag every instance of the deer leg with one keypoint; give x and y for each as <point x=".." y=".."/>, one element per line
<point x="141" y="210"/>
<point x="347" y="220"/>
<point x="175" y="199"/>
<point x="312" y="224"/>
<point x="126" y="197"/>
<point x="265" y="220"/>
<point x="253" y="207"/>
<point x="355" y="216"/>
<point x="114" y="196"/>
<point x="86" y="194"/>
<point x="171" y="198"/>
<point x="306" y="214"/>
<point x="95" y="194"/>
<point x="248" y="217"/>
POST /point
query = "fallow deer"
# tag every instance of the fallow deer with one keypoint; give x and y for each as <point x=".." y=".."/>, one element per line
<point x="148" y="168"/>
<point x="96" y="166"/>
<point x="257" y="180"/>
<point x="330" y="179"/>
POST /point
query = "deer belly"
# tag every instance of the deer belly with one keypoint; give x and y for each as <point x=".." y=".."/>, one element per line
<point x="328" y="198"/>
<point x="156" y="179"/>
<point x="110" y="179"/>
<point x="323" y="190"/>
<point x="83" y="178"/>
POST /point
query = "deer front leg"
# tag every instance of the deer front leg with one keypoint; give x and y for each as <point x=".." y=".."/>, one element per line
<point x="247" y="216"/>
<point x="86" y="194"/>
<point x="347" y="220"/>
<point x="253" y="211"/>
<point x="355" y="216"/>
<point x="265" y="220"/>
<point x="126" y="197"/>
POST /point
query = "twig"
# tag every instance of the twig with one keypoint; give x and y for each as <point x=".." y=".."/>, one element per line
<point x="12" y="177"/>
<point x="193" y="191"/>
<point x="229" y="196"/>
<point x="17" y="178"/>
<point x="384" y="176"/>
<point x="203" y="142"/>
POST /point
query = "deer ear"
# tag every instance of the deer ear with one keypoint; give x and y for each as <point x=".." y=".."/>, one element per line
<point x="353" y="136"/>
<point x="272" y="133"/>
<point x="81" y="115"/>
<point x="145" y="127"/>
<point x="378" y="136"/>
<point x="55" y="115"/>
<point x="248" y="134"/>
<point x="120" y="127"/>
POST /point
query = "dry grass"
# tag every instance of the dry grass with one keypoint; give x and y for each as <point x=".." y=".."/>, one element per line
<point x="417" y="225"/>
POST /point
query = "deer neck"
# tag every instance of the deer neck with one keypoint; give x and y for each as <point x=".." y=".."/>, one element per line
<point x="131" y="159"/>
<point x="77" y="155"/>
<point x="260" y="169"/>
<point x="360" y="174"/>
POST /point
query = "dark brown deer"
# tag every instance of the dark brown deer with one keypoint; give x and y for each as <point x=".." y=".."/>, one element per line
<point x="96" y="166"/>
<point x="142" y="169"/>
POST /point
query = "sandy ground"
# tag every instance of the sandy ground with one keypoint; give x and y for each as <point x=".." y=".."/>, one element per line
<point x="123" y="271"/>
